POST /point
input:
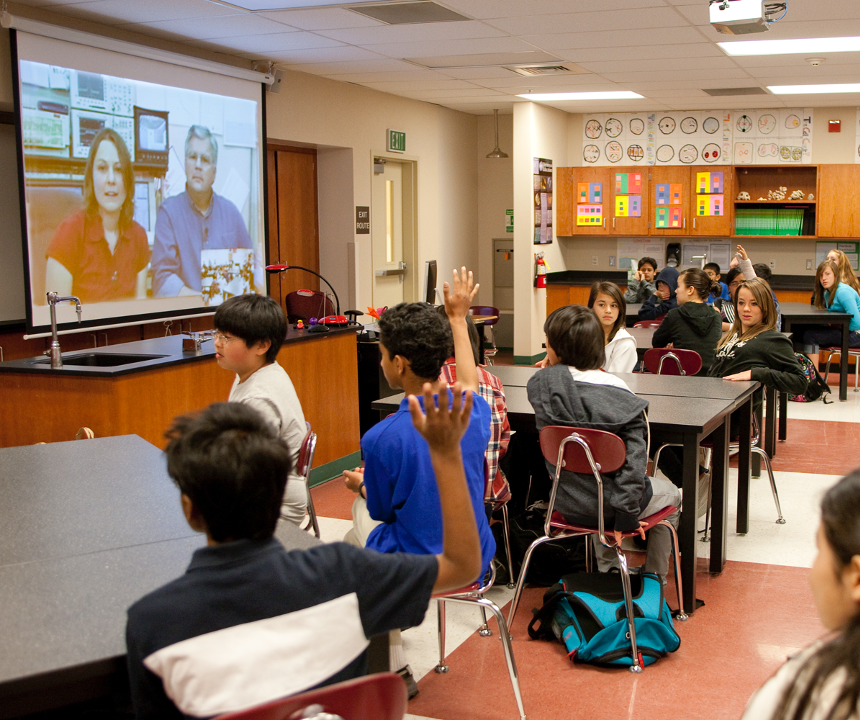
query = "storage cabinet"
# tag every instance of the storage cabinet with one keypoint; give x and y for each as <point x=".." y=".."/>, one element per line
<point x="762" y="216"/>
<point x="838" y="212"/>
<point x="712" y="225"/>
<point x="630" y="224"/>
<point x="661" y="177"/>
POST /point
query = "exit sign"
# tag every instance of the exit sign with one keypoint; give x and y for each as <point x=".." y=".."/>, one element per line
<point x="396" y="141"/>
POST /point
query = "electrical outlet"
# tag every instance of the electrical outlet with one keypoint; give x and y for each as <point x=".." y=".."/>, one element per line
<point x="772" y="264"/>
<point x="611" y="261"/>
<point x="809" y="264"/>
<point x="594" y="259"/>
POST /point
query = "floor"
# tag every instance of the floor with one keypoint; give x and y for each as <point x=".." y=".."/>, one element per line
<point x="758" y="611"/>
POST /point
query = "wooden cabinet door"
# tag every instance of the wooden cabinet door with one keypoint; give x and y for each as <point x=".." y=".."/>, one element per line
<point x="629" y="224"/>
<point x="714" y="225"/>
<point x="669" y="175"/>
<point x="592" y="175"/>
<point x="837" y="209"/>
<point x="565" y="201"/>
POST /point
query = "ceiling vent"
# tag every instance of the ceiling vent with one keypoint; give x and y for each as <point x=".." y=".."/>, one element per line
<point x="719" y="92"/>
<point x="537" y="70"/>
<point x="409" y="13"/>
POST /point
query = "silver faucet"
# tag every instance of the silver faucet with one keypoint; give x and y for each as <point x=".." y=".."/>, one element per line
<point x="54" y="351"/>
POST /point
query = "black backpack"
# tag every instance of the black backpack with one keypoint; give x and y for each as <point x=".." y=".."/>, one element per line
<point x="816" y="387"/>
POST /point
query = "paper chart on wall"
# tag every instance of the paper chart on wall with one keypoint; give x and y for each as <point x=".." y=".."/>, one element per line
<point x="631" y="249"/>
<point x="773" y="136"/>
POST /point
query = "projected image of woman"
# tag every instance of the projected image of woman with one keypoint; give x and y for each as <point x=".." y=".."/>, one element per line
<point x="100" y="253"/>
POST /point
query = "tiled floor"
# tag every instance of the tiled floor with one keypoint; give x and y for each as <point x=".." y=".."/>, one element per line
<point x="756" y="612"/>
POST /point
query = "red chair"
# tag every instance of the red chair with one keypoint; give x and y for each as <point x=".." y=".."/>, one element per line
<point x="488" y="310"/>
<point x="306" y="304"/>
<point x="649" y="323"/>
<point x="666" y="361"/>
<point x="303" y="469"/>
<point x="374" y="697"/>
<point x="582" y="450"/>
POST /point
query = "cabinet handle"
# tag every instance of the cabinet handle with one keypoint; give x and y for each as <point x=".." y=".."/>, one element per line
<point x="685" y="224"/>
<point x="694" y="223"/>
<point x="613" y="223"/>
<point x="604" y="222"/>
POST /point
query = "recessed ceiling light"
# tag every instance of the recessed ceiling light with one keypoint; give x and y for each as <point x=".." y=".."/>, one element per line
<point x="787" y="47"/>
<point x="814" y="89"/>
<point x="615" y="95"/>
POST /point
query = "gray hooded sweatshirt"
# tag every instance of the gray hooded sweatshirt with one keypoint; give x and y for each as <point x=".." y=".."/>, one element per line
<point x="558" y="400"/>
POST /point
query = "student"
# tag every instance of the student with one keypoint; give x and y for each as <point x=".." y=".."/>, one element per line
<point x="831" y="294"/>
<point x="693" y="325"/>
<point x="249" y="332"/>
<point x="734" y="278"/>
<point x="573" y="391"/>
<point x="491" y="389"/>
<point x="846" y="272"/>
<point x="713" y="271"/>
<point x="250" y="622"/>
<point x="822" y="682"/>
<point x="760" y="270"/>
<point x="663" y="299"/>
<point x="641" y="287"/>
<point x="397" y="505"/>
<point x="608" y="305"/>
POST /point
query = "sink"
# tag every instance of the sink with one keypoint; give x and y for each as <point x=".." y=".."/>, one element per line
<point x="102" y="359"/>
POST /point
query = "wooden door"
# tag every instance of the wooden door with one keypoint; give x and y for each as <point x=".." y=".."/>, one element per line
<point x="589" y="176"/>
<point x="293" y="219"/>
<point x="838" y="212"/>
<point x="627" y="223"/>
<point x="710" y="223"/>
<point x="672" y="178"/>
<point x="565" y="202"/>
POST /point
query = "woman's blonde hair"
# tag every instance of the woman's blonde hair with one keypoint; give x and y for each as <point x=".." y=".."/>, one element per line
<point x="763" y="295"/>
<point x="818" y="296"/>
<point x="845" y="271"/>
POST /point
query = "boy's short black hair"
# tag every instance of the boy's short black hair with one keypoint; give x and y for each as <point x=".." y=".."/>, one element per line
<point x="417" y="333"/>
<point x="576" y="336"/>
<point x="474" y="338"/>
<point x="763" y="272"/>
<point x="712" y="266"/>
<point x="233" y="467"/>
<point x="647" y="261"/>
<point x="253" y="318"/>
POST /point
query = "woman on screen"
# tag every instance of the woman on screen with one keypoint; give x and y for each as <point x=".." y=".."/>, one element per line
<point x="99" y="253"/>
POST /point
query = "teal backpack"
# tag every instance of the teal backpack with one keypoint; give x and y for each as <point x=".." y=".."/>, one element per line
<point x="587" y="613"/>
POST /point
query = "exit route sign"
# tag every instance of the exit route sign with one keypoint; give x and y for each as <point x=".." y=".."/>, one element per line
<point x="396" y="141"/>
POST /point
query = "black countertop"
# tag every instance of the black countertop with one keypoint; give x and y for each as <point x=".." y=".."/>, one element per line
<point x="167" y="349"/>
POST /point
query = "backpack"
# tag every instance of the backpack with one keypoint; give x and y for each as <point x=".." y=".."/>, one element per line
<point x="587" y="613"/>
<point x="816" y="387"/>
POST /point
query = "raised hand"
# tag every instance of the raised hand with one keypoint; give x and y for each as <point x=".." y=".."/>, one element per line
<point x="441" y="427"/>
<point x="459" y="294"/>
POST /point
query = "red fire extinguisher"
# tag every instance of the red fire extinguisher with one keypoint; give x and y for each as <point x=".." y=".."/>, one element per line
<point x="540" y="270"/>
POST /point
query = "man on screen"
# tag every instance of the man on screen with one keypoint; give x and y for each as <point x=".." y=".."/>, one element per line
<point x="193" y="222"/>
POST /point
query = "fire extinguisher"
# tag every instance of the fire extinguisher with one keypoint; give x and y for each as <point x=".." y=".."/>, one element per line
<point x="541" y="267"/>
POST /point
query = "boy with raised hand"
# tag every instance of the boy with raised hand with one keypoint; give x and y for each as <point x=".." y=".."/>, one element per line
<point x="249" y="332"/>
<point x="641" y="287"/>
<point x="397" y="508"/>
<point x="250" y="622"/>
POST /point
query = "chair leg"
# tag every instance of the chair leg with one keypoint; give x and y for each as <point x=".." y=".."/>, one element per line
<point x="628" y="602"/>
<point x="589" y="553"/>
<point x="506" y="529"/>
<point x="679" y="586"/>
<point x="312" y="516"/>
<point x="441" y="666"/>
<point x="780" y="519"/>
<point x="521" y="580"/>
<point x="484" y="630"/>
<point x="830" y="354"/>
<point x="706" y="536"/>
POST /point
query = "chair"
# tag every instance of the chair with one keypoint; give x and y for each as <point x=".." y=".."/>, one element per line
<point x="596" y="451"/>
<point x="497" y="496"/>
<point x="306" y="304"/>
<point x="649" y="323"/>
<point x="84" y="433"/>
<point x="852" y="352"/>
<point x="374" y="697"/>
<point x="303" y="469"/>
<point x="488" y="310"/>
<point x="680" y="362"/>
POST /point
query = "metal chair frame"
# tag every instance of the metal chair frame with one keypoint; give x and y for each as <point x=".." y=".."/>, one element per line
<point x="852" y="352"/>
<point x="690" y="358"/>
<point x="556" y="529"/>
<point x="303" y="469"/>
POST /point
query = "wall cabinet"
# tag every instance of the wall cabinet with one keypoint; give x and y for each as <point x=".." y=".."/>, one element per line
<point x="713" y="225"/>
<point x="838" y="211"/>
<point x="761" y="215"/>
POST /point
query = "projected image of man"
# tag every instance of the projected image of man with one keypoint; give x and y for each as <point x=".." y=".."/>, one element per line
<point x="195" y="220"/>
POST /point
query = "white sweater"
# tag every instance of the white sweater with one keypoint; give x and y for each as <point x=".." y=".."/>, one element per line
<point x="621" y="354"/>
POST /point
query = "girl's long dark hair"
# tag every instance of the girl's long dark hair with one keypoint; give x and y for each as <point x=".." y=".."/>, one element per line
<point x="818" y="297"/>
<point x="701" y="282"/>
<point x="840" y="521"/>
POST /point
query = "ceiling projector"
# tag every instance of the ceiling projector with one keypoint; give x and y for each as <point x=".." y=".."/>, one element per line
<point x="738" y="17"/>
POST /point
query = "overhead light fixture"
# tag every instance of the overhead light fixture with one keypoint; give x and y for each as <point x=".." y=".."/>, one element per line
<point x="496" y="152"/>
<point x="814" y="89"/>
<point x="614" y="95"/>
<point x="789" y="47"/>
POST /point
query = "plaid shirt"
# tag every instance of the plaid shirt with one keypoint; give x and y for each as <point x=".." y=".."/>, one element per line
<point x="490" y="388"/>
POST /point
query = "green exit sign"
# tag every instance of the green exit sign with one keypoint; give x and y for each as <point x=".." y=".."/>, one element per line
<point x="396" y="141"/>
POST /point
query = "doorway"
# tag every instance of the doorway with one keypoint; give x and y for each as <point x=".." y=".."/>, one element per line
<point x="392" y="231"/>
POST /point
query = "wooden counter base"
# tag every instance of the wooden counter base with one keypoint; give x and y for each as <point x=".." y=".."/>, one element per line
<point x="45" y="408"/>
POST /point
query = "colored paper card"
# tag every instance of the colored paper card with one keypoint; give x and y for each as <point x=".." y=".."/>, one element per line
<point x="582" y="192"/>
<point x="662" y="197"/>
<point x="628" y="183"/>
<point x="675" y="193"/>
<point x="703" y="182"/>
<point x="661" y="219"/>
<point x="716" y="182"/>
<point x="675" y="217"/>
<point x="707" y="205"/>
<point x="589" y="214"/>
<point x="595" y="193"/>
<point x="622" y="206"/>
<point x="716" y="204"/>
<point x="635" y="206"/>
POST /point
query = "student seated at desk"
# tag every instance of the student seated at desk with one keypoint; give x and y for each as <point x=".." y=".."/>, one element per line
<point x="249" y="332"/>
<point x="397" y="504"/>
<point x="713" y="271"/>
<point x="693" y="325"/>
<point x="663" y="299"/>
<point x="574" y="391"/>
<point x="609" y="306"/>
<point x="641" y="287"/>
<point x="836" y="296"/>
<point x="846" y="272"/>
<point x="822" y="682"/>
<point x="250" y="622"/>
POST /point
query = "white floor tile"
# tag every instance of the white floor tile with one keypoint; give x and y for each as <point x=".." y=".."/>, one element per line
<point x="848" y="411"/>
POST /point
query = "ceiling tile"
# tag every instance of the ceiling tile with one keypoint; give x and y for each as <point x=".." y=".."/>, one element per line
<point x="346" y="53"/>
<point x="517" y="8"/>
<point x="464" y="94"/>
<point x="410" y="33"/>
<point x="676" y="74"/>
<point x="330" y="18"/>
<point x="276" y="42"/>
<point x="587" y="22"/>
<point x="115" y="12"/>
<point x="451" y="47"/>
<point x="616" y="38"/>
<point x="440" y="84"/>
<point x="363" y="66"/>
<point x="644" y="52"/>
<point x="414" y="74"/>
<point x="661" y="64"/>
<point x="215" y="27"/>
<point x="547" y="81"/>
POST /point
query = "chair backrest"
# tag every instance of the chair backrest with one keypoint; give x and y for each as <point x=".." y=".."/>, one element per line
<point x="607" y="449"/>
<point x="306" y="304"/>
<point x="373" y="697"/>
<point x="670" y="361"/>
<point x="649" y="323"/>
<point x="486" y="310"/>
<point x="306" y="453"/>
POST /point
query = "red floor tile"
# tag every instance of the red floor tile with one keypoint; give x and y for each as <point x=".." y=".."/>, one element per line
<point x="333" y="500"/>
